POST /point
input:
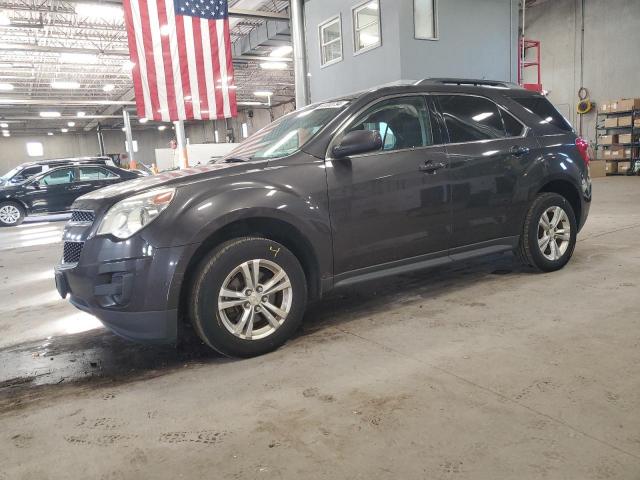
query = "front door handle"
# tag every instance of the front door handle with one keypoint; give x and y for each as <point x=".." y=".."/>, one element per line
<point x="519" y="151"/>
<point x="430" y="167"/>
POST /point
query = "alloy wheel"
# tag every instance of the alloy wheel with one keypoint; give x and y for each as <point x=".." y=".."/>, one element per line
<point x="9" y="214"/>
<point x="255" y="299"/>
<point x="554" y="233"/>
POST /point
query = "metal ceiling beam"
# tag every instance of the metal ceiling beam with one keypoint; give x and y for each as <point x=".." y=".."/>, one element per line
<point x="63" y="118"/>
<point x="62" y="103"/>
<point x="126" y="99"/>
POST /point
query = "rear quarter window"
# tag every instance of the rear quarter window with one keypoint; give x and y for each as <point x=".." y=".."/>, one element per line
<point x="543" y="109"/>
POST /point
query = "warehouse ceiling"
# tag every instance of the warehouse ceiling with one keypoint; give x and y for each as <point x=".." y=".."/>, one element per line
<point x="72" y="57"/>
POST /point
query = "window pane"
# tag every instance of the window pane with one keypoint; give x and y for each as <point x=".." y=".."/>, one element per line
<point x="332" y="52"/>
<point x="331" y="32"/>
<point x="470" y="118"/>
<point x="425" y="18"/>
<point x="402" y="123"/>
<point x="59" y="177"/>
<point x="367" y="37"/>
<point x="547" y="113"/>
<point x="92" y="173"/>
<point x="512" y="126"/>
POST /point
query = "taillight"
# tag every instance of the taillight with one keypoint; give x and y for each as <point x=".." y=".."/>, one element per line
<point x="585" y="150"/>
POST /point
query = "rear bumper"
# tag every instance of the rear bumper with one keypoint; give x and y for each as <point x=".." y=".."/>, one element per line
<point x="135" y="297"/>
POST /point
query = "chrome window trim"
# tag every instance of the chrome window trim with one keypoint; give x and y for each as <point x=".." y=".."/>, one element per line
<point x="354" y="11"/>
<point x="326" y="23"/>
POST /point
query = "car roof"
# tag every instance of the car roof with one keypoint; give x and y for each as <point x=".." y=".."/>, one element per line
<point x="65" y="160"/>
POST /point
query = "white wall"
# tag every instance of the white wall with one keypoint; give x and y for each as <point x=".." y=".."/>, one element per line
<point x="611" y="52"/>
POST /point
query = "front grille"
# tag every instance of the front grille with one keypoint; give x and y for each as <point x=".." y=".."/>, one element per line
<point x="71" y="252"/>
<point x="82" y="216"/>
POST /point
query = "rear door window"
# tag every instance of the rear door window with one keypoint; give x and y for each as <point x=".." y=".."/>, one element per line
<point x="542" y="108"/>
<point x="61" y="176"/>
<point x="512" y="127"/>
<point x="469" y="118"/>
<point x="95" y="173"/>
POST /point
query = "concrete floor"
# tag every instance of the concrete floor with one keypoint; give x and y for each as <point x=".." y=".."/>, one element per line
<point x="482" y="371"/>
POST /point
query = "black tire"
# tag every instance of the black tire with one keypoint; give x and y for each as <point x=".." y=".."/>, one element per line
<point x="19" y="208"/>
<point x="528" y="250"/>
<point x="208" y="280"/>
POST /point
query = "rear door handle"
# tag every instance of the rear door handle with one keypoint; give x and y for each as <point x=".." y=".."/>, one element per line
<point x="518" y="151"/>
<point x="430" y="167"/>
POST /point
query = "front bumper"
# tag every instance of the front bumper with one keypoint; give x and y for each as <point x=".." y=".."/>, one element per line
<point x="132" y="288"/>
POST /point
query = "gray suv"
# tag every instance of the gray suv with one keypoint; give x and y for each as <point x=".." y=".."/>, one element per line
<point x="373" y="184"/>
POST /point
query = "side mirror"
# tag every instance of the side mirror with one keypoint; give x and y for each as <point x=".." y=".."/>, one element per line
<point x="358" y="141"/>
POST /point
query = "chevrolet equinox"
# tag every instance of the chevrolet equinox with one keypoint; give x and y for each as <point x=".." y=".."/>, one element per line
<point x="377" y="183"/>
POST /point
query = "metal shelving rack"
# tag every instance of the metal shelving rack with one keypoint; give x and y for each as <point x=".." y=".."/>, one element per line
<point x="634" y="130"/>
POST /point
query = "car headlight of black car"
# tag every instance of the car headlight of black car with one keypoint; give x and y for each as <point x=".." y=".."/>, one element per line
<point x="132" y="214"/>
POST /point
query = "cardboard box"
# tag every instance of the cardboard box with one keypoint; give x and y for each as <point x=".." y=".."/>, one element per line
<point x="628" y="104"/>
<point x="617" y="153"/>
<point x="624" y="167"/>
<point x="608" y="139"/>
<point x="611" y="167"/>
<point x="636" y="123"/>
<point x="624" y="121"/>
<point x="597" y="169"/>
<point x="603" y="107"/>
<point x="626" y="138"/>
<point x="606" y="153"/>
<point x="611" y="122"/>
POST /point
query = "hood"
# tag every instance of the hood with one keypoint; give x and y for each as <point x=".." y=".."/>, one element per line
<point x="174" y="178"/>
<point x="7" y="188"/>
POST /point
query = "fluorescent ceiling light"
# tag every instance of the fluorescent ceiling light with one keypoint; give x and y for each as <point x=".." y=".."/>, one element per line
<point x="4" y="125"/>
<point x="80" y="114"/>
<point x="6" y="87"/>
<point x="143" y="120"/>
<point x="71" y="124"/>
<point x="273" y="66"/>
<point x="109" y="87"/>
<point x="4" y="19"/>
<point x="64" y="130"/>
<point x="281" y="51"/>
<point x="60" y="85"/>
<point x="6" y="134"/>
<point x="6" y="65"/>
<point x="263" y="93"/>
<point x="247" y="104"/>
<point x="112" y="12"/>
<point x="49" y="114"/>
<point x="162" y="127"/>
<point x="5" y="131"/>
<point x="50" y="134"/>
<point x="81" y="58"/>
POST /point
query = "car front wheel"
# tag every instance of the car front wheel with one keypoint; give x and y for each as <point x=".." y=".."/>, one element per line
<point x="248" y="297"/>
<point x="549" y="234"/>
<point x="11" y="214"/>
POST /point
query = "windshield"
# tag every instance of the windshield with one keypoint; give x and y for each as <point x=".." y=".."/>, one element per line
<point x="287" y="134"/>
<point x="11" y="173"/>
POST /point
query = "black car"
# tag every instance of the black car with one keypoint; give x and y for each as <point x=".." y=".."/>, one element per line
<point x="375" y="184"/>
<point x="55" y="190"/>
<point x="27" y="170"/>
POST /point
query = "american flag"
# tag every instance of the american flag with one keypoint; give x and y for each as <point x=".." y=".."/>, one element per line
<point x="181" y="55"/>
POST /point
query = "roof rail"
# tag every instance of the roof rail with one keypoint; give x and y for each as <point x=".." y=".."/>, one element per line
<point x="468" y="81"/>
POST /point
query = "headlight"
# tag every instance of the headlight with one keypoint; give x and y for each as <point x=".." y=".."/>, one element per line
<point x="134" y="213"/>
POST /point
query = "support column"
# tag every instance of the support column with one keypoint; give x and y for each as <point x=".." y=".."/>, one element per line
<point x="100" y="140"/>
<point x="129" y="139"/>
<point x="299" y="53"/>
<point x="182" y="143"/>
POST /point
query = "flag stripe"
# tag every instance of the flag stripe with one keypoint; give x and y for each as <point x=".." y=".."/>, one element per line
<point x="184" y="68"/>
<point x="154" y="23"/>
<point x="166" y="59"/>
<point x="133" y="48"/>
<point x="213" y="34"/>
<point x="208" y="68"/>
<point x="193" y="71"/>
<point x="149" y="58"/>
<point x="200" y="74"/>
<point x="143" y="62"/>
<point x="233" y="102"/>
<point x="224" y="84"/>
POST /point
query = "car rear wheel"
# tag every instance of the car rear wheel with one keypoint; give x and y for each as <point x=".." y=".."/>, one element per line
<point x="549" y="234"/>
<point x="248" y="297"/>
<point x="11" y="214"/>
